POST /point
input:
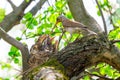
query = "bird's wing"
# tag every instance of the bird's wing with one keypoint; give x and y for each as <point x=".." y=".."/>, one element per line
<point x="69" y="23"/>
<point x="78" y="24"/>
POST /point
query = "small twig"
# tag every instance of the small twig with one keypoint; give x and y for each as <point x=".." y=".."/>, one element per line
<point x="102" y="77"/>
<point x="115" y="41"/>
<point x="12" y="4"/>
<point x="53" y="28"/>
<point x="60" y="38"/>
<point x="25" y="72"/>
<point x="37" y="7"/>
<point x="104" y="23"/>
<point x="48" y="2"/>
<point x="109" y="11"/>
<point x="24" y="32"/>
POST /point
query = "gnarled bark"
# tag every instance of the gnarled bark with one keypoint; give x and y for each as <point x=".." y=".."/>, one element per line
<point x="78" y="56"/>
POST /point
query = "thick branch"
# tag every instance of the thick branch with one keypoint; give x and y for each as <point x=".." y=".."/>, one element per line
<point x="17" y="44"/>
<point x="15" y="16"/>
<point x="80" y="14"/>
<point x="86" y="52"/>
<point x="37" y="7"/>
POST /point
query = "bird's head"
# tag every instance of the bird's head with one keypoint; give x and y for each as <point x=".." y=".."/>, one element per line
<point x="60" y="19"/>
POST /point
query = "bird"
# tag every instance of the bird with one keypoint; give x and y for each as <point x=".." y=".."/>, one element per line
<point x="73" y="26"/>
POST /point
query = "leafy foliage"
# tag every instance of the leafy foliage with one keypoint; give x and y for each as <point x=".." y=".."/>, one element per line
<point x="44" y="22"/>
<point x="14" y="54"/>
<point x="103" y="69"/>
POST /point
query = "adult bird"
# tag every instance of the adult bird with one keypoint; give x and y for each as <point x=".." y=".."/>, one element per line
<point x="73" y="26"/>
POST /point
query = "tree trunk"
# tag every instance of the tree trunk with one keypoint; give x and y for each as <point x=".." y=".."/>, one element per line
<point x="75" y="58"/>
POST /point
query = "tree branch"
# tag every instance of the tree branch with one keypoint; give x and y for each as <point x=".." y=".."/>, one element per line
<point x="88" y="52"/>
<point x="24" y="50"/>
<point x="12" y="4"/>
<point x="100" y="77"/>
<point x="80" y="14"/>
<point x="103" y="19"/>
<point x="14" y="17"/>
<point x="115" y="41"/>
<point x="37" y="6"/>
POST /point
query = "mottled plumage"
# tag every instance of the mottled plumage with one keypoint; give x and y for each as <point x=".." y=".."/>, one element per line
<point x="74" y="26"/>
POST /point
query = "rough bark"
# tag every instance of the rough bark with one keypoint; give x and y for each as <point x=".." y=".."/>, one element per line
<point x="80" y="14"/>
<point x="76" y="57"/>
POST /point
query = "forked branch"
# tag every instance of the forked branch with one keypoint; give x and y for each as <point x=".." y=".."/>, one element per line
<point x="17" y="44"/>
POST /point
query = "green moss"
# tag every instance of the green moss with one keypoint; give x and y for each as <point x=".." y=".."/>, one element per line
<point x="53" y="63"/>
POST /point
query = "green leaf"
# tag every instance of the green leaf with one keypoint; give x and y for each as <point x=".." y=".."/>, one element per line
<point x="116" y="75"/>
<point x="16" y="60"/>
<point x="52" y="18"/>
<point x="5" y="65"/>
<point x="29" y="25"/>
<point x="11" y="54"/>
<point x="2" y="14"/>
<point x="98" y="13"/>
<point x="86" y="78"/>
<point x="14" y="52"/>
<point x="34" y="21"/>
<point x="59" y="4"/>
<point x="30" y="34"/>
<point x="96" y="73"/>
<point x="17" y="54"/>
<point x="114" y="34"/>
<point x="18" y="38"/>
<point x="51" y="9"/>
<point x="100" y="65"/>
<point x="28" y="16"/>
<point x="116" y="18"/>
<point x="6" y="79"/>
<point x="109" y="70"/>
<point x="102" y="71"/>
<point x="69" y="15"/>
<point x="118" y="44"/>
<point x="13" y="49"/>
<point x="27" y="0"/>
<point x="39" y="30"/>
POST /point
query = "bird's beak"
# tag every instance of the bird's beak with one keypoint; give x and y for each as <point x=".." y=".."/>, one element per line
<point x="56" y="23"/>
